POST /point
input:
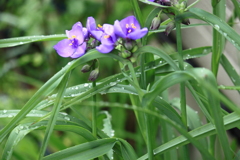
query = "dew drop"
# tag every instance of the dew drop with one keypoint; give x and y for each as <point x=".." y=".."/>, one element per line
<point x="85" y="85"/>
<point x="67" y="118"/>
<point x="216" y="27"/>
<point x="4" y="111"/>
<point x="112" y="83"/>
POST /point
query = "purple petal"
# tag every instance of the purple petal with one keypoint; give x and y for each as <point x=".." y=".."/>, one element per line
<point x="80" y="51"/>
<point x="91" y="23"/>
<point x="77" y="31"/>
<point x="105" y="48"/>
<point x="119" y="31"/>
<point x="109" y="30"/>
<point x="107" y="40"/>
<point x="85" y="33"/>
<point x="63" y="48"/>
<point x="137" y="34"/>
<point x="130" y="20"/>
<point x="97" y="34"/>
<point x="151" y="0"/>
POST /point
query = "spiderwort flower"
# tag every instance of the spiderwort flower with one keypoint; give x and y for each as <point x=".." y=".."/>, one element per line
<point x="74" y="46"/>
<point x="129" y="28"/>
<point x="108" y="39"/>
<point x="94" y="31"/>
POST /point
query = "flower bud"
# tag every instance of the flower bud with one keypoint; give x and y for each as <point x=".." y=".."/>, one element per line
<point x="155" y="23"/>
<point x="129" y="44"/>
<point x="125" y="54"/>
<point x="135" y="48"/>
<point x="94" y="75"/>
<point x="170" y="27"/>
<point x="186" y="21"/>
<point x="86" y="68"/>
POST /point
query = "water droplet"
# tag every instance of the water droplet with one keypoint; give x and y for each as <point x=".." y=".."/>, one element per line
<point x="76" y="87"/>
<point x="4" y="111"/>
<point x="67" y="118"/>
<point x="216" y="27"/>
<point x="69" y="63"/>
<point x="86" y="84"/>
<point x="10" y="116"/>
<point x="112" y="83"/>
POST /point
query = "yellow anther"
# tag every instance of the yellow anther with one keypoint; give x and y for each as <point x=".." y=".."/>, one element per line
<point x="74" y="36"/>
<point x="70" y="44"/>
<point x="99" y="26"/>
<point x="127" y="25"/>
<point x="133" y="25"/>
<point x="106" y="36"/>
<point x="129" y="31"/>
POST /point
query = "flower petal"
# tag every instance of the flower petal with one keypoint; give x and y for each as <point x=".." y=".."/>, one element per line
<point x="130" y="20"/>
<point x="91" y="23"/>
<point x="137" y="34"/>
<point x="96" y="34"/>
<point x="119" y="31"/>
<point x="77" y="31"/>
<point x="109" y="30"/>
<point x="64" y="48"/>
<point x="105" y="48"/>
<point x="80" y="51"/>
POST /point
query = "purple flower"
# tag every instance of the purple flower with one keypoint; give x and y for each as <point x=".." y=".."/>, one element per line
<point x="94" y="31"/>
<point x="74" y="46"/>
<point x="108" y="39"/>
<point x="129" y="28"/>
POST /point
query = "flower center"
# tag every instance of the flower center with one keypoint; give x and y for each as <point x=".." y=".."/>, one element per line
<point x="130" y="28"/>
<point x="100" y="27"/>
<point x="74" y="41"/>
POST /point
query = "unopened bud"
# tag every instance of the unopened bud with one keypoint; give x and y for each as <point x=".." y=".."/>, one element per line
<point x="155" y="23"/>
<point x="135" y="48"/>
<point x="86" y="68"/>
<point x="170" y="27"/>
<point x="125" y="54"/>
<point x="129" y="44"/>
<point x="94" y="75"/>
<point x="186" y="21"/>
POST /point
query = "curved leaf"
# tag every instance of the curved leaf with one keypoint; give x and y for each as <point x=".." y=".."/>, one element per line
<point x="10" y="42"/>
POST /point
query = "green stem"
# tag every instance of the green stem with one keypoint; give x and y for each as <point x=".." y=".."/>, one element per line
<point x="218" y="39"/>
<point x="94" y="108"/>
<point x="181" y="66"/>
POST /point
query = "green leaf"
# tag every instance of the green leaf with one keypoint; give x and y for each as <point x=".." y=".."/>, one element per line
<point x="222" y="27"/>
<point x="10" y="42"/>
<point x="230" y="121"/>
<point x="22" y="130"/>
<point x="56" y="108"/>
<point x="230" y="70"/>
<point x="85" y="151"/>
<point x="48" y="88"/>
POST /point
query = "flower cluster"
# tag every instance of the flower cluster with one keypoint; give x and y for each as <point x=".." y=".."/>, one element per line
<point x="104" y="38"/>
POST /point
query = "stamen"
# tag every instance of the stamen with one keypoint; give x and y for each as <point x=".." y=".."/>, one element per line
<point x="127" y="25"/>
<point x="106" y="36"/>
<point x="133" y="26"/>
<point x="99" y="26"/>
<point x="74" y="36"/>
<point x="129" y="31"/>
<point x="70" y="44"/>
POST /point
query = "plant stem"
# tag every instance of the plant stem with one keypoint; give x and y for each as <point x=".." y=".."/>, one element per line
<point x="94" y="108"/>
<point x="218" y="39"/>
<point x="181" y="66"/>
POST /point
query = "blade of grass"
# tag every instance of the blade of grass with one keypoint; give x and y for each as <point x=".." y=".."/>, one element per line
<point x="56" y="108"/>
